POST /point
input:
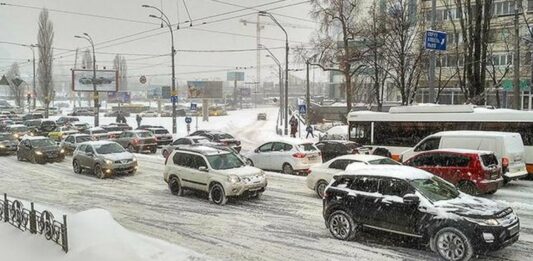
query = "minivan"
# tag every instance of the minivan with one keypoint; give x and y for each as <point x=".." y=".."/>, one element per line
<point x="507" y="146"/>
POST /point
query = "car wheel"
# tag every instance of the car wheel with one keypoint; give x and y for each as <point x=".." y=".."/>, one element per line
<point x="130" y="148"/>
<point x="98" y="171"/>
<point x="33" y="159"/>
<point x="452" y="244"/>
<point x="174" y="186"/>
<point x="341" y="225"/>
<point x="154" y="150"/>
<point x="257" y="195"/>
<point x="467" y="187"/>
<point x="287" y="169"/>
<point x="132" y="172"/>
<point x="217" y="194"/>
<point x="165" y="154"/>
<point x="76" y="167"/>
<point x="250" y="162"/>
<point x="320" y="188"/>
<point x="19" y="156"/>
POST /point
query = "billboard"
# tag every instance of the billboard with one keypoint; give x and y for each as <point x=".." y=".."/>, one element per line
<point x="235" y="76"/>
<point x="106" y="80"/>
<point x="119" y="97"/>
<point x="166" y="92"/>
<point x="205" y="89"/>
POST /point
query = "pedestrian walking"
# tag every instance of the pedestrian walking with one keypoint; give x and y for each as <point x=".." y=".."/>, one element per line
<point x="294" y="126"/>
<point x="138" y="119"/>
<point x="309" y="130"/>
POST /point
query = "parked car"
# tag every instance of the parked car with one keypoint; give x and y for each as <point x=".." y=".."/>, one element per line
<point x="189" y="140"/>
<point x="412" y="202"/>
<point x="162" y="136"/>
<point x="81" y="112"/>
<point x="39" y="150"/>
<point x="61" y="132"/>
<point x="5" y="123"/>
<point x="65" y="120"/>
<point x="146" y="127"/>
<point x="122" y="126"/>
<point x="103" y="158"/>
<point x="507" y="146"/>
<point x="32" y="116"/>
<point x="333" y="148"/>
<point x="45" y="128"/>
<point x="51" y="111"/>
<point x="320" y="176"/>
<point x="137" y="141"/>
<point x="115" y="114"/>
<point x="32" y="124"/>
<point x="97" y="133"/>
<point x="262" y="116"/>
<point x="81" y="126"/>
<point x="219" y="137"/>
<point x="113" y="132"/>
<point x="70" y="143"/>
<point x="8" y="143"/>
<point x="289" y="156"/>
<point x="472" y="171"/>
<point x="18" y="130"/>
<point x="179" y="113"/>
<point x="220" y="173"/>
<point x="147" y="114"/>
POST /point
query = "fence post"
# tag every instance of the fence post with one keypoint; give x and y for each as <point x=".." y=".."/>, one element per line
<point x="6" y="208"/>
<point x="33" y="220"/>
<point x="64" y="234"/>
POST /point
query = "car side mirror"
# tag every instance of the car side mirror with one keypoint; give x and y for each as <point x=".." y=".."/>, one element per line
<point x="256" y="151"/>
<point x="203" y="168"/>
<point x="411" y="199"/>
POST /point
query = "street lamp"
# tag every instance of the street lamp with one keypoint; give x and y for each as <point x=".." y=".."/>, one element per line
<point x="264" y="13"/>
<point x="307" y="91"/>
<point x="164" y="19"/>
<point x="31" y="46"/>
<point x="87" y="37"/>
<point x="280" y="85"/>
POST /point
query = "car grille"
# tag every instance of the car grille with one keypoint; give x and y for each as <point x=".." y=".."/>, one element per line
<point x="124" y="161"/>
<point x="52" y="154"/>
<point x="252" y="179"/>
<point x="508" y="220"/>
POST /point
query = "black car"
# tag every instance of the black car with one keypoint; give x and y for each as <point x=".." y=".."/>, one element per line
<point x="411" y="202"/>
<point x="219" y="137"/>
<point x="32" y="116"/>
<point x="66" y="120"/>
<point x="33" y="124"/>
<point x="146" y="127"/>
<point x="39" y="150"/>
<point x="8" y="143"/>
<point x="331" y="149"/>
<point x="45" y="127"/>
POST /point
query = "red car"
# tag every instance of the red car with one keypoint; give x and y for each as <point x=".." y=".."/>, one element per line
<point x="472" y="171"/>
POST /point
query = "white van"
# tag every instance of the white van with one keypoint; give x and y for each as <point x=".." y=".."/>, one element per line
<point x="507" y="146"/>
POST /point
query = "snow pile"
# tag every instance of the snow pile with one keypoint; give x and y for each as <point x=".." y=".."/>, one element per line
<point x="93" y="235"/>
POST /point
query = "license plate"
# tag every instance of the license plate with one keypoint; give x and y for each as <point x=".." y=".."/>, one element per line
<point x="513" y="230"/>
<point x="312" y="157"/>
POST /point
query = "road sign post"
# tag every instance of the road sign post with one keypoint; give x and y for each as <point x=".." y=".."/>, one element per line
<point x="188" y="120"/>
<point x="173" y="99"/>
<point x="435" y="40"/>
<point x="302" y="109"/>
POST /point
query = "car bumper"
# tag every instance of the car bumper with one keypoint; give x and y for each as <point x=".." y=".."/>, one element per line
<point x="488" y="239"/>
<point x="161" y="142"/>
<point x="304" y="166"/>
<point x="516" y="174"/>
<point x="485" y="186"/>
<point x="8" y="150"/>
<point x="120" y="168"/>
<point x="241" y="188"/>
<point x="51" y="158"/>
<point x="143" y="147"/>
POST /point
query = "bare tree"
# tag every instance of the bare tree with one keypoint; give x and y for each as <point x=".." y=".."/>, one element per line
<point x="497" y="71"/>
<point x="16" y="85"/>
<point x="45" y="39"/>
<point x="334" y="40"/>
<point x="119" y="64"/>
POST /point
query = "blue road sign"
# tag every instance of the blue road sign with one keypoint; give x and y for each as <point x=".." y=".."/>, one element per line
<point x="435" y="40"/>
<point x="194" y="107"/>
<point x="188" y="119"/>
<point x="302" y="108"/>
<point x="173" y="98"/>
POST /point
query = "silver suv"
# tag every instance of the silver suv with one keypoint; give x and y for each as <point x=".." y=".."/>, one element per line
<point x="104" y="158"/>
<point x="221" y="173"/>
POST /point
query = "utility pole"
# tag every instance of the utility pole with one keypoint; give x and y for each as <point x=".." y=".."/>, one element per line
<point x="307" y="94"/>
<point x="258" y="44"/>
<point x="34" y="91"/>
<point x="87" y="37"/>
<point x="432" y="58"/>
<point x="516" y="58"/>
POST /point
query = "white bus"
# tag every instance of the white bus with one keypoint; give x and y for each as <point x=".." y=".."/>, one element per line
<point x="403" y="127"/>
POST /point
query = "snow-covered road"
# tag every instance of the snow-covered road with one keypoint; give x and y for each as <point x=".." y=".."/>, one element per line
<point x="285" y="224"/>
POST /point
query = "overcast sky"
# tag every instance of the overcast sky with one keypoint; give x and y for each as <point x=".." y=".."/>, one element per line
<point x="19" y="24"/>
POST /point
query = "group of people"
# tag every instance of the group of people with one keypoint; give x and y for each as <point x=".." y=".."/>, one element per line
<point x="122" y="119"/>
<point x="294" y="128"/>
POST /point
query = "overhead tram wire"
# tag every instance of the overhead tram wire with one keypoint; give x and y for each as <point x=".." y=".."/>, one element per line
<point x="257" y="10"/>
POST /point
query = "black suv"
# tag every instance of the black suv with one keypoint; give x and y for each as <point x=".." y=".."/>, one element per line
<point x="331" y="149"/>
<point x="415" y="203"/>
<point x="39" y="150"/>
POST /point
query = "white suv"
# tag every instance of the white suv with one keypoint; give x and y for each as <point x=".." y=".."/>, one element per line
<point x="221" y="173"/>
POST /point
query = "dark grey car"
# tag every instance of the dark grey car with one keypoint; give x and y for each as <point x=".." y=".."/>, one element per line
<point x="137" y="141"/>
<point x="103" y="158"/>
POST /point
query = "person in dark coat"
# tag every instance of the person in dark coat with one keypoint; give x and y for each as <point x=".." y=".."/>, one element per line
<point x="138" y="119"/>
<point x="294" y="126"/>
<point x="309" y="130"/>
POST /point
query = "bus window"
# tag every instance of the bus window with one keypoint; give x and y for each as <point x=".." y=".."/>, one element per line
<point x="360" y="132"/>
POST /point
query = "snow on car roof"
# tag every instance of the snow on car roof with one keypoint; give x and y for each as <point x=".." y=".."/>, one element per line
<point x="462" y="151"/>
<point x="360" y="157"/>
<point x="98" y="142"/>
<point x="338" y="130"/>
<point x="16" y="125"/>
<point x="391" y="171"/>
<point x="195" y="137"/>
<point x="474" y="133"/>
<point x="95" y="128"/>
<point x="293" y="141"/>
<point x="34" y="137"/>
<point x="205" y="150"/>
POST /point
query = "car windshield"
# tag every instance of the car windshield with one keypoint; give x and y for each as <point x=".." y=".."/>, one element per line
<point x="83" y="139"/>
<point x="223" y="136"/>
<point x="42" y="143"/>
<point x="307" y="147"/>
<point x="225" y="161"/>
<point x="161" y="131"/>
<point x="144" y="134"/>
<point x="18" y="128"/>
<point x="99" y="131"/>
<point x="7" y="136"/>
<point x="200" y="140"/>
<point x="435" y="189"/>
<point x="108" y="148"/>
<point x="384" y="161"/>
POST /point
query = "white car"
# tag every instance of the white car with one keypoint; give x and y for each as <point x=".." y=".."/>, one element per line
<point x="149" y="114"/>
<point x="320" y="176"/>
<point x="221" y="173"/>
<point x="289" y="156"/>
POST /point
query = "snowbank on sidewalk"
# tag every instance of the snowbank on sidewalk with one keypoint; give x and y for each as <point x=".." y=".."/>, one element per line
<point x="93" y="235"/>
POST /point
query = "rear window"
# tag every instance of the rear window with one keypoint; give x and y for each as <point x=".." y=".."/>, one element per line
<point x="514" y="144"/>
<point x="161" y="132"/>
<point x="489" y="160"/>
<point x="307" y="147"/>
<point x="99" y="131"/>
<point x="223" y="136"/>
<point x="144" y="134"/>
<point x="384" y="161"/>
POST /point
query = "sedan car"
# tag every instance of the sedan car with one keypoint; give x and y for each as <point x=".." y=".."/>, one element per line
<point x="66" y="120"/>
<point x="289" y="156"/>
<point x="162" y="136"/>
<point x="8" y="143"/>
<point x="333" y="148"/>
<point x="103" y="158"/>
<point x="146" y="114"/>
<point x="72" y="141"/>
<point x="219" y="137"/>
<point x="97" y="133"/>
<point x="18" y="130"/>
<point x="61" y="132"/>
<point x="320" y="176"/>
<point x="81" y="126"/>
<point x="137" y="141"/>
<point x="39" y="150"/>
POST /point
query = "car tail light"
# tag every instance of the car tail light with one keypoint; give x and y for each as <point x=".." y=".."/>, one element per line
<point x="505" y="164"/>
<point x="307" y="171"/>
<point x="298" y="155"/>
<point x="135" y="141"/>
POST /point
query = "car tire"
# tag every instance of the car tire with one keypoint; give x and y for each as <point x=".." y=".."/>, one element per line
<point x="249" y="162"/>
<point x="341" y="225"/>
<point x="19" y="156"/>
<point x="99" y="172"/>
<point x="165" y="154"/>
<point x="154" y="150"/>
<point x="217" y="194"/>
<point x="132" y="172"/>
<point x="76" y="167"/>
<point x="467" y="187"/>
<point x="287" y="169"/>
<point x="462" y="249"/>
<point x="321" y="187"/>
<point x="174" y="185"/>
<point x="33" y="159"/>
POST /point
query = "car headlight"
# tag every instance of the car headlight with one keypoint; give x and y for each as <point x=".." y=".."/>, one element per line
<point x="484" y="222"/>
<point x="2" y="146"/>
<point x="62" y="151"/>
<point x="234" y="178"/>
<point x="16" y="136"/>
<point x="108" y="162"/>
<point x="134" y="159"/>
<point x="38" y="153"/>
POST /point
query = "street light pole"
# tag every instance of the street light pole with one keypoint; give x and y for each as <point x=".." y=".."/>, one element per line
<point x="172" y="54"/>
<point x="264" y="13"/>
<point x="87" y="37"/>
<point x="34" y="92"/>
<point x="271" y="55"/>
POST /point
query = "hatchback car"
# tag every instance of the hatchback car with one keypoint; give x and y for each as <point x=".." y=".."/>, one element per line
<point x="162" y="136"/>
<point x="333" y="148"/>
<point x="72" y="141"/>
<point x="412" y="202"/>
<point x="103" y="158"/>
<point x="189" y="140"/>
<point x="219" y="172"/>
<point x="39" y="150"/>
<point x="288" y="156"/>
<point x="472" y="171"/>
<point x="97" y="133"/>
<point x="8" y="143"/>
<point x="219" y="137"/>
<point x="320" y="176"/>
<point x="137" y="141"/>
